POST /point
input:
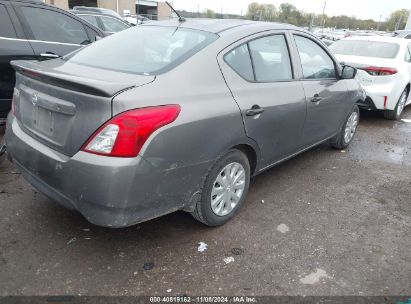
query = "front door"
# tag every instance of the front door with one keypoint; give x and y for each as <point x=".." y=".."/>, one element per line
<point x="325" y="92"/>
<point x="259" y="73"/>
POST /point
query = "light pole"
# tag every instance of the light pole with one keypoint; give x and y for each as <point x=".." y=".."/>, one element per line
<point x="379" y="22"/>
<point x="323" y="21"/>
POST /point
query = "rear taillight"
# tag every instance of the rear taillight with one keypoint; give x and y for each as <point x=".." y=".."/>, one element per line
<point x="376" y="71"/>
<point x="126" y="133"/>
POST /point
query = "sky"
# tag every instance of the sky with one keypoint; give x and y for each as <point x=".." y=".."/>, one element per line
<point x="362" y="9"/>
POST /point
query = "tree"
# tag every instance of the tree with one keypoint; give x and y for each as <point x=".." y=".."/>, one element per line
<point x="255" y="11"/>
<point x="209" y="13"/>
<point x="287" y="11"/>
<point x="269" y="12"/>
<point x="397" y="20"/>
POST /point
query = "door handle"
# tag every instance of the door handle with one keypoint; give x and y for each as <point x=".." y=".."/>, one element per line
<point x="316" y="98"/>
<point x="255" y="110"/>
<point x="49" y="55"/>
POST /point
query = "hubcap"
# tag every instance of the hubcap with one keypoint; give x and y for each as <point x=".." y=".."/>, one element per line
<point x="228" y="188"/>
<point x="351" y="127"/>
<point x="401" y="103"/>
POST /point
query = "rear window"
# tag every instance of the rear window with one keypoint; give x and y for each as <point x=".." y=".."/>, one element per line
<point x="143" y="49"/>
<point x="365" y="48"/>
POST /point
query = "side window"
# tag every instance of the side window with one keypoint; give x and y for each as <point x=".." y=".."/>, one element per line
<point x="239" y="60"/>
<point x="408" y="37"/>
<point x="48" y="25"/>
<point x="90" y="19"/>
<point x="6" y="27"/>
<point x="271" y="59"/>
<point x="113" y="25"/>
<point x="316" y="63"/>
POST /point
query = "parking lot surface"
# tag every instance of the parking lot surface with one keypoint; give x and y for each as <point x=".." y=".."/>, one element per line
<point x="327" y="222"/>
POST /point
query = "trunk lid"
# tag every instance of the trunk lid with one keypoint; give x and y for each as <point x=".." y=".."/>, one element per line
<point x="62" y="104"/>
<point x="361" y="62"/>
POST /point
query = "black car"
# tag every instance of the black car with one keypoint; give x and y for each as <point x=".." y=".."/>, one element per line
<point x="34" y="30"/>
<point x="107" y="23"/>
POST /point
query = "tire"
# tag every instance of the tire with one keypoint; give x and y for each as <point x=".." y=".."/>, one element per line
<point x="396" y="113"/>
<point x="2" y="151"/>
<point x="342" y="141"/>
<point x="231" y="203"/>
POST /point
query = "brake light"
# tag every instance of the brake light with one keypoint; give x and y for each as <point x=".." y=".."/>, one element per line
<point x="379" y="71"/>
<point x="126" y="133"/>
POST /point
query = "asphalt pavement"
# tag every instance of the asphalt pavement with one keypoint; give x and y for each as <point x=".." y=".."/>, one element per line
<point x="327" y="222"/>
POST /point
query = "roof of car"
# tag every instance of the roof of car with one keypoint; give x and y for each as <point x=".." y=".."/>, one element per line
<point x="379" y="38"/>
<point x="77" y="12"/>
<point x="31" y="1"/>
<point x="221" y="25"/>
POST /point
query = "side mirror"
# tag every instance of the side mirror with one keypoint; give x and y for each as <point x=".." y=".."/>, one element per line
<point x="98" y="38"/>
<point x="348" y="72"/>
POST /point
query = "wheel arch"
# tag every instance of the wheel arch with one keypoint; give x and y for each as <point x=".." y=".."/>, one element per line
<point x="408" y="86"/>
<point x="251" y="154"/>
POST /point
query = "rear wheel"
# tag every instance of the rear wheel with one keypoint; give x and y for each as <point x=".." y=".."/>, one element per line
<point x="224" y="190"/>
<point x="348" y="130"/>
<point x="396" y="113"/>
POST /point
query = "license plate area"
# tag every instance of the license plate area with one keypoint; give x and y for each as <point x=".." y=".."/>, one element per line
<point x="43" y="121"/>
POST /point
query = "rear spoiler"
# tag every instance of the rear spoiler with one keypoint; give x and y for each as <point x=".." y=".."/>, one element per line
<point x="86" y="85"/>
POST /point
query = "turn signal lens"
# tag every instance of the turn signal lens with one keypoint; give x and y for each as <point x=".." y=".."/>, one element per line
<point x="125" y="134"/>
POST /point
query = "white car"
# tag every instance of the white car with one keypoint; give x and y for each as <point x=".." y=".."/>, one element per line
<point x="384" y="70"/>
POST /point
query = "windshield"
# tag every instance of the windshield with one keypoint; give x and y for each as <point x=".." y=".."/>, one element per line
<point x="365" y="48"/>
<point x="143" y="50"/>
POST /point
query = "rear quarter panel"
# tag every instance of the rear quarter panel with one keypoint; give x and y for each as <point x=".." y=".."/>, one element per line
<point x="209" y="123"/>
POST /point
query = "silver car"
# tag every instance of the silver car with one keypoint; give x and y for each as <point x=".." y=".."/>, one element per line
<point x="176" y="116"/>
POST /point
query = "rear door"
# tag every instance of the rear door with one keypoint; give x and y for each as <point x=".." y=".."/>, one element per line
<point x="13" y="45"/>
<point x="52" y="32"/>
<point x="325" y="93"/>
<point x="259" y="73"/>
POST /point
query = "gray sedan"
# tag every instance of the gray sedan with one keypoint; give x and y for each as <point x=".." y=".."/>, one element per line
<point x="176" y="116"/>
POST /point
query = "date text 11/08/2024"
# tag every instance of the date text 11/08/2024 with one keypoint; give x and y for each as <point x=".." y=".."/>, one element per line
<point x="203" y="299"/>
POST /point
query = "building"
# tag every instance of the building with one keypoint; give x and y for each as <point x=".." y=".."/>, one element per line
<point x="150" y="9"/>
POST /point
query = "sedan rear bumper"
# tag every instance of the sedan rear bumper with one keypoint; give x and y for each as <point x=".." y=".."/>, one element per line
<point x="384" y="95"/>
<point x="111" y="192"/>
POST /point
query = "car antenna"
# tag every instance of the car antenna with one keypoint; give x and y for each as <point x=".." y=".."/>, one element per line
<point x="180" y="18"/>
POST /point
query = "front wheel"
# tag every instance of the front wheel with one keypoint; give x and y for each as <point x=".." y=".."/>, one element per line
<point x="224" y="190"/>
<point x="347" y="132"/>
<point x="396" y="113"/>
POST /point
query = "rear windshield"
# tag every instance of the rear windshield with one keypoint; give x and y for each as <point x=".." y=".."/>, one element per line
<point x="143" y="49"/>
<point x="365" y="48"/>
